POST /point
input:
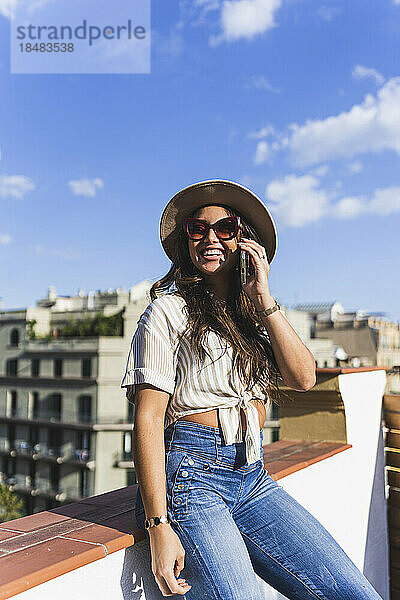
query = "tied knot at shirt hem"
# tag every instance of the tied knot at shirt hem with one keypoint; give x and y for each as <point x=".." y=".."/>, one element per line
<point x="231" y="424"/>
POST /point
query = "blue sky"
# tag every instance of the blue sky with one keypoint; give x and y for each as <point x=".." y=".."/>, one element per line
<point x="297" y="99"/>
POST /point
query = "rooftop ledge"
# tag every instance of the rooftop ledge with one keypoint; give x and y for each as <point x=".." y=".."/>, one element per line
<point x="330" y="459"/>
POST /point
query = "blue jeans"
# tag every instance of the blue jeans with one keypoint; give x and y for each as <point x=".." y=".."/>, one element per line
<point x="234" y="520"/>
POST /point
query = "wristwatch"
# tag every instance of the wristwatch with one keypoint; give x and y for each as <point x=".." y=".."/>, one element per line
<point x="268" y="311"/>
<point x="154" y="521"/>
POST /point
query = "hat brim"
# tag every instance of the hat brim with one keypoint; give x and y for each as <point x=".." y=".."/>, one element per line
<point x="217" y="191"/>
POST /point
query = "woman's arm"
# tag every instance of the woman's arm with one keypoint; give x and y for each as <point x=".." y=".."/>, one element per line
<point x="148" y="447"/>
<point x="295" y="361"/>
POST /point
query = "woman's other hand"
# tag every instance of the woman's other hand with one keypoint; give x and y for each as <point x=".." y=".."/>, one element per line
<point x="167" y="560"/>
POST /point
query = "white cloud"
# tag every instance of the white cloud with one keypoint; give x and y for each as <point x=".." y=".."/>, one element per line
<point x="326" y="13"/>
<point x="15" y="185"/>
<point x="372" y="126"/>
<point x="86" y="187"/>
<point x="263" y="152"/>
<point x="261" y="133"/>
<point x="8" y="7"/>
<point x="5" y="238"/>
<point x="245" y="19"/>
<point x="260" y="82"/>
<point x="349" y="207"/>
<point x="320" y="171"/>
<point x="356" y="167"/>
<point x="385" y="201"/>
<point x="299" y="200"/>
<point x="361" y="72"/>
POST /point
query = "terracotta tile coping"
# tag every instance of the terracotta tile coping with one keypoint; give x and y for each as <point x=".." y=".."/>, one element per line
<point x="40" y="547"/>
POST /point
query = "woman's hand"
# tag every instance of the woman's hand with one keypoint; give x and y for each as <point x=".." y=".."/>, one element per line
<point x="167" y="560"/>
<point x="257" y="286"/>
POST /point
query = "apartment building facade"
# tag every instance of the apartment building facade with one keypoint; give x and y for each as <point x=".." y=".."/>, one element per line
<point x="65" y="425"/>
<point x="361" y="339"/>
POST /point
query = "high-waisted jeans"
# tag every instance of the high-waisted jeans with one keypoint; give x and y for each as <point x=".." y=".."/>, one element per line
<point x="234" y="520"/>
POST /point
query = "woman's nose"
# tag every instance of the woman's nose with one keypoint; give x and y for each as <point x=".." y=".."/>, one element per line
<point x="212" y="236"/>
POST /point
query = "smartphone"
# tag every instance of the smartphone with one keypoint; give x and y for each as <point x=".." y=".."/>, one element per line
<point x="244" y="267"/>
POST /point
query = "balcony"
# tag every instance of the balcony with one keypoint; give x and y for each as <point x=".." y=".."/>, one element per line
<point x="41" y="486"/>
<point x="21" y="448"/>
<point x="123" y="460"/>
<point x="68" y="419"/>
<point x="330" y="458"/>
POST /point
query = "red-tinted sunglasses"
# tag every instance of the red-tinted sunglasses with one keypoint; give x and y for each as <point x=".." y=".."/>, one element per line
<point x="225" y="229"/>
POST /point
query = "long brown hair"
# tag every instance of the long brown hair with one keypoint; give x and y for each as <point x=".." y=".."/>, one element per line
<point x="235" y="320"/>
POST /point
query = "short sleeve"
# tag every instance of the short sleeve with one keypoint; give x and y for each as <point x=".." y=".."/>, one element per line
<point x="151" y="357"/>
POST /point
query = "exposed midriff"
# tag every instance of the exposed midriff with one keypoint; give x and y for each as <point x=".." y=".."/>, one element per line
<point x="211" y="416"/>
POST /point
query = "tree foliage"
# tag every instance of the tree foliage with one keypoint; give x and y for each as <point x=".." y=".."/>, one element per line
<point x="11" y="506"/>
<point x="100" y="325"/>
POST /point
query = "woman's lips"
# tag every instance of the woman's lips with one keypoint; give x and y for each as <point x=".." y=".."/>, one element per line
<point x="215" y="256"/>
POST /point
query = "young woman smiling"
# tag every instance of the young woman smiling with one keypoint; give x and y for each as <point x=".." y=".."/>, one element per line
<point x="203" y="362"/>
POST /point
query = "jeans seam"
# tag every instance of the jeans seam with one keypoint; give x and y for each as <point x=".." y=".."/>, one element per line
<point x="238" y="494"/>
<point x="204" y="568"/>
<point x="323" y="597"/>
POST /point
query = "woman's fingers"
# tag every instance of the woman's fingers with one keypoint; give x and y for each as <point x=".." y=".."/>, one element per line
<point x="179" y="564"/>
<point x="172" y="585"/>
<point x="252" y="251"/>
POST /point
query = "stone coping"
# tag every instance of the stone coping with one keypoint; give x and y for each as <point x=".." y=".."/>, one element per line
<point x="40" y="547"/>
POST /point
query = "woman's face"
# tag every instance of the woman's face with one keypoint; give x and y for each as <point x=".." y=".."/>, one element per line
<point x="226" y="256"/>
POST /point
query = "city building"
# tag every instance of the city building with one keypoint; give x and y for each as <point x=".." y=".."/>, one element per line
<point x="65" y="424"/>
<point x="360" y="338"/>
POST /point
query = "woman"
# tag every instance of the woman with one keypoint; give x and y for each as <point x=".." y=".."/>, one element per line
<point x="203" y="362"/>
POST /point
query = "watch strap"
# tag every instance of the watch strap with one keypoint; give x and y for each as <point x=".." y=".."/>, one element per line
<point x="154" y="521"/>
<point x="268" y="311"/>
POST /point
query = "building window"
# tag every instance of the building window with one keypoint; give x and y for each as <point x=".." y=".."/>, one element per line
<point x="86" y="367"/>
<point x="55" y="406"/>
<point x="58" y="365"/>
<point x="35" y="405"/>
<point x="12" y="367"/>
<point x="85" y="409"/>
<point x="14" y="337"/>
<point x="35" y="367"/>
<point x="13" y="403"/>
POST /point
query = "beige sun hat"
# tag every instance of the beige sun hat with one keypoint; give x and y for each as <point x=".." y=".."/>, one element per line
<point x="217" y="191"/>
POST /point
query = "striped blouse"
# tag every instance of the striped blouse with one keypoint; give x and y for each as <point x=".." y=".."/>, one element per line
<point x="157" y="357"/>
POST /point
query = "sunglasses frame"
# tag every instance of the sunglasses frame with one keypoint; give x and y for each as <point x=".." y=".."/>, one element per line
<point x="209" y="226"/>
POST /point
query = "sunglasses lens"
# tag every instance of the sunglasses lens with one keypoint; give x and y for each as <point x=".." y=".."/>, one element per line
<point x="196" y="229"/>
<point x="226" y="229"/>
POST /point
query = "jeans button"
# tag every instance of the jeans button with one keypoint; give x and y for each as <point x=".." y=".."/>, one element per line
<point x="191" y="462"/>
<point x="184" y="473"/>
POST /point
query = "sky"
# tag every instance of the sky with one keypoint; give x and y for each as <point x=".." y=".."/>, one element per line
<point x="297" y="99"/>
